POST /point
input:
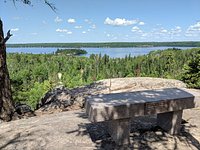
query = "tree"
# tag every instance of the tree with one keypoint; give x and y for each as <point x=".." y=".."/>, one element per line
<point x="7" y="108"/>
<point x="6" y="102"/>
<point x="191" y="74"/>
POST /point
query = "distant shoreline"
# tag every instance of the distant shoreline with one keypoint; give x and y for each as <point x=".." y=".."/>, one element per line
<point x="110" y="44"/>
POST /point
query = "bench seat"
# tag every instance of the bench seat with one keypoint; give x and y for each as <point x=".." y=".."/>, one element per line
<point x="117" y="109"/>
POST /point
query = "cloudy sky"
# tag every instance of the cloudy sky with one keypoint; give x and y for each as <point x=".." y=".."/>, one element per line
<point x="102" y="21"/>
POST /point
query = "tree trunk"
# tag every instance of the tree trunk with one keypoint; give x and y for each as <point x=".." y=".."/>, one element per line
<point x="7" y="108"/>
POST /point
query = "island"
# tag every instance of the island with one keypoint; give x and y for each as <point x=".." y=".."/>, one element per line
<point x="71" y="52"/>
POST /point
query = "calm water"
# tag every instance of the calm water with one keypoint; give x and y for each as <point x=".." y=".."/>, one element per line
<point x="112" y="52"/>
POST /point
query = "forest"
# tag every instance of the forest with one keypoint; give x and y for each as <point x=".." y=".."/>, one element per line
<point x="32" y="75"/>
<point x="71" y="51"/>
<point x="111" y="44"/>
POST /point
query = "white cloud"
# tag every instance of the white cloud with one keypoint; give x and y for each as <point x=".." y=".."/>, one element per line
<point x="145" y="34"/>
<point x="159" y="32"/>
<point x="195" y="27"/>
<point x="71" y="20"/>
<point x="61" y="30"/>
<point x="119" y="22"/>
<point x="141" y="23"/>
<point x="15" y="29"/>
<point x="78" y="27"/>
<point x="163" y="31"/>
<point x="69" y="32"/>
<point x="193" y="30"/>
<point x="164" y="34"/>
<point x="136" y="29"/>
<point x="188" y="34"/>
<point x="57" y="19"/>
<point x="93" y="26"/>
<point x="108" y="35"/>
<point x="176" y="31"/>
<point x="88" y="21"/>
<point x="84" y="32"/>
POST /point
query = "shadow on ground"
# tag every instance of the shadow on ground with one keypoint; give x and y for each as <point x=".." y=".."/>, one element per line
<point x="145" y="135"/>
<point x="17" y="140"/>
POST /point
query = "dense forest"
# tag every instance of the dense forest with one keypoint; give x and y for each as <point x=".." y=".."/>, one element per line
<point x="32" y="75"/>
<point x="111" y="44"/>
<point x="70" y="52"/>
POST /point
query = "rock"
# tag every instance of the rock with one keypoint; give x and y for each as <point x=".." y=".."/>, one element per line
<point x="63" y="99"/>
<point x="72" y="130"/>
<point x="55" y="100"/>
<point x="79" y="100"/>
<point x="23" y="110"/>
<point x="136" y="84"/>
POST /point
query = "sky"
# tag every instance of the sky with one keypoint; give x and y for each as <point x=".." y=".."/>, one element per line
<point x="102" y="21"/>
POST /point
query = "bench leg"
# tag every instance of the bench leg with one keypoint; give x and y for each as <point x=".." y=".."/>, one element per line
<point x="170" y="121"/>
<point x="119" y="130"/>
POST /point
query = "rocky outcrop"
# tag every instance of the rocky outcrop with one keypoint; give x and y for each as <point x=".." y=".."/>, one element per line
<point x="63" y="99"/>
<point x="72" y="130"/>
<point x="57" y="99"/>
<point x="23" y="111"/>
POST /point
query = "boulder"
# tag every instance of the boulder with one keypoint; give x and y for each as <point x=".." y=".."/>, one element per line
<point x="57" y="99"/>
<point x="23" y="111"/>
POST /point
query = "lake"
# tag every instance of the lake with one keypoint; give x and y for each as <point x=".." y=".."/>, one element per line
<point x="112" y="52"/>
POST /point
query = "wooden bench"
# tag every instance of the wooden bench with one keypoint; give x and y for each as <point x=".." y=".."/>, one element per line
<point x="117" y="109"/>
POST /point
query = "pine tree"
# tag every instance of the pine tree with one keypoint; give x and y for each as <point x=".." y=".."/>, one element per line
<point x="191" y="74"/>
<point x="6" y="102"/>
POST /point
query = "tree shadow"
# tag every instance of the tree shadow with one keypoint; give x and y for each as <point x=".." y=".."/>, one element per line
<point x="93" y="88"/>
<point x="22" y="140"/>
<point x="189" y="138"/>
<point x="15" y="139"/>
<point x="144" y="135"/>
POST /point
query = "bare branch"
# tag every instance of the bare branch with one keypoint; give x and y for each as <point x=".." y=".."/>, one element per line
<point x="7" y="37"/>
<point x="29" y="2"/>
<point x="14" y="3"/>
<point x="51" y="5"/>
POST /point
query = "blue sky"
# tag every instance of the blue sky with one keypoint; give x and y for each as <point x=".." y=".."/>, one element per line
<point x="102" y="21"/>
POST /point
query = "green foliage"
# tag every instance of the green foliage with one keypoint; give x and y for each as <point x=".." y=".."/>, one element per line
<point x="111" y="44"/>
<point x="34" y="94"/>
<point x="34" y="74"/>
<point x="191" y="74"/>
<point x="71" y="52"/>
